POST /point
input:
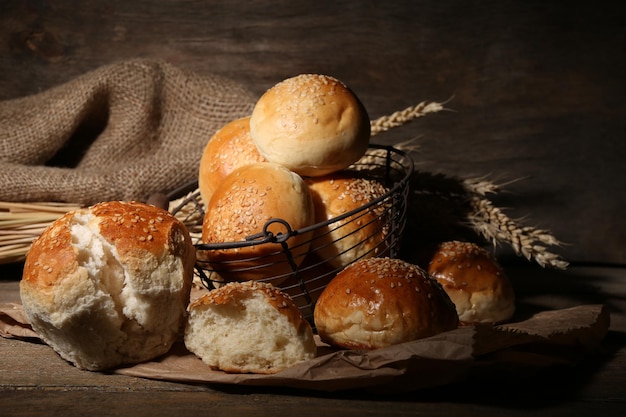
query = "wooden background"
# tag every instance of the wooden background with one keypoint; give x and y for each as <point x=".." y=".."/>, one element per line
<point x="537" y="87"/>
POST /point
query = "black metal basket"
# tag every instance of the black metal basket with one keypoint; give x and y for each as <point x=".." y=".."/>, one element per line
<point x="305" y="279"/>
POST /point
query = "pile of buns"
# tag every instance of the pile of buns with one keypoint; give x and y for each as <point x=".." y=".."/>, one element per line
<point x="284" y="168"/>
<point x="109" y="285"/>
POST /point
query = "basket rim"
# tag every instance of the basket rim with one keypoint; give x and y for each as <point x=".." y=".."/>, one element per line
<point x="265" y="236"/>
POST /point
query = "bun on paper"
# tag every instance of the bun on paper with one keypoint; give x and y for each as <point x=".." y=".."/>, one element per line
<point x="379" y="302"/>
<point x="248" y="327"/>
<point x="109" y="285"/>
<point x="476" y="283"/>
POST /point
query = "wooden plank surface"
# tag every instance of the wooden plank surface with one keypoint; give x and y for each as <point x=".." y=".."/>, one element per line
<point x="536" y="88"/>
<point x="34" y="381"/>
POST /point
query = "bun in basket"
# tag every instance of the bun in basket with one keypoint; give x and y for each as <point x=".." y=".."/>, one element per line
<point x="476" y="283"/>
<point x="379" y="302"/>
<point x="361" y="235"/>
<point x="109" y="285"/>
<point x="241" y="207"/>
<point x="228" y="149"/>
<point x="248" y="327"/>
<point x="312" y="124"/>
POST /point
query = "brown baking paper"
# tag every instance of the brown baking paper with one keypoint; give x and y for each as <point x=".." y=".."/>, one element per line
<point x="443" y="359"/>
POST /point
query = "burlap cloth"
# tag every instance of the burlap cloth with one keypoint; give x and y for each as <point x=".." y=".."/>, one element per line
<point x="123" y="131"/>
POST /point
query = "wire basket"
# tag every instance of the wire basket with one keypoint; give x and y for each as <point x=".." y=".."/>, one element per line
<point x="306" y="277"/>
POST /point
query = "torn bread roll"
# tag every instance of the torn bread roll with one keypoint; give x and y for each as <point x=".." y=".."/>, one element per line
<point x="312" y="124"/>
<point x="109" y="285"/>
<point x="379" y="302"/>
<point x="360" y="235"/>
<point x="249" y="198"/>
<point x="229" y="148"/>
<point x="476" y="283"/>
<point x="248" y="327"/>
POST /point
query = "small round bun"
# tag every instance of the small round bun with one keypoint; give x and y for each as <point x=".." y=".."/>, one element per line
<point x="248" y="327"/>
<point x="241" y="207"/>
<point x="229" y="148"/>
<point x="379" y="302"/>
<point x="361" y="235"/>
<point x="312" y="124"/>
<point x="476" y="283"/>
<point x="109" y="285"/>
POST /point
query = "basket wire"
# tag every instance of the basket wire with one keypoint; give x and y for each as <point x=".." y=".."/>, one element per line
<point x="309" y="274"/>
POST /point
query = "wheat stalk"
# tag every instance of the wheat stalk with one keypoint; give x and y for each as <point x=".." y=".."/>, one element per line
<point x="495" y="226"/>
<point x="22" y="223"/>
<point x="402" y="117"/>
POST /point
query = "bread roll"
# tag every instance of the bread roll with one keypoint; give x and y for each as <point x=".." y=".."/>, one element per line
<point x="248" y="327"/>
<point x="379" y="302"/>
<point x="247" y="199"/>
<point x="476" y="283"/>
<point x="312" y="124"/>
<point x="230" y="147"/>
<point x="361" y="235"/>
<point x="109" y="285"/>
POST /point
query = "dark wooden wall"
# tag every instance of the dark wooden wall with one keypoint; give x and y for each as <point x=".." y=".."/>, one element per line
<point x="537" y="87"/>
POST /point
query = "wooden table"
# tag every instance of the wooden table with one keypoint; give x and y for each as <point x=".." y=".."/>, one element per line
<point x="35" y="381"/>
<point x="537" y="93"/>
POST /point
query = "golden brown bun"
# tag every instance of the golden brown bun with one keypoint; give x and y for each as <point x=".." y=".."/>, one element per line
<point x="361" y="235"/>
<point x="248" y="327"/>
<point x="475" y="282"/>
<point x="109" y="285"/>
<point x="379" y="302"/>
<point x="247" y="199"/>
<point x="312" y="124"/>
<point x="230" y="147"/>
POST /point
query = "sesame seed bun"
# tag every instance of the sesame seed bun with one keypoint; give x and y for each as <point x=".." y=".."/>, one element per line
<point x="312" y="124"/>
<point x="476" y="283"/>
<point x="246" y="200"/>
<point x="248" y="327"/>
<point x="109" y="285"/>
<point x="379" y="302"/>
<point x="361" y="235"/>
<point x="229" y="148"/>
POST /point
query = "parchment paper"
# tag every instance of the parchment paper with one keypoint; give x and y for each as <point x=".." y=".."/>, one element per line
<point x="439" y="360"/>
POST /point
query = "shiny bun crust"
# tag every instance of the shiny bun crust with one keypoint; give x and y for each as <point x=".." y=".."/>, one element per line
<point x="312" y="124"/>
<point x="109" y="285"/>
<point x="361" y="235"/>
<point x="475" y="282"/>
<point x="229" y="148"/>
<point x="379" y="302"/>
<point x="247" y="199"/>
<point x="248" y="327"/>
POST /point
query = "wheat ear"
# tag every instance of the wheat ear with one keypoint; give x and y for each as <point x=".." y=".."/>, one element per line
<point x="402" y="117"/>
<point x="494" y="225"/>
